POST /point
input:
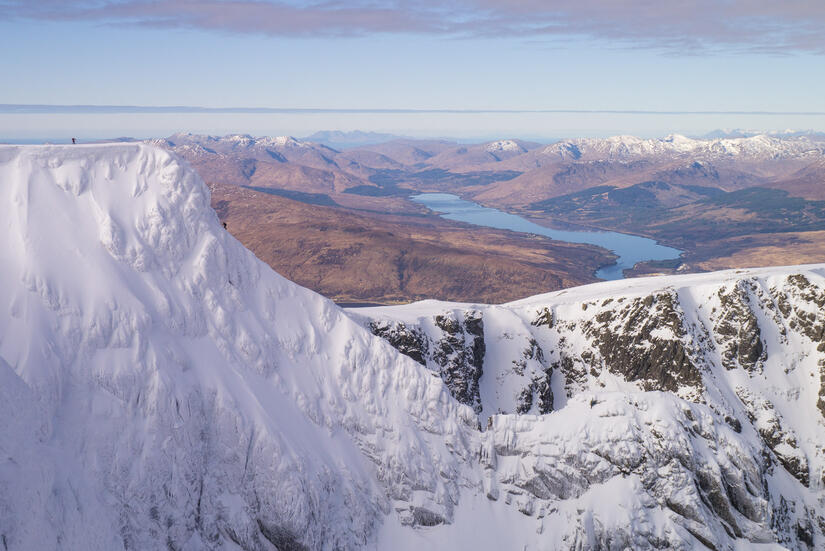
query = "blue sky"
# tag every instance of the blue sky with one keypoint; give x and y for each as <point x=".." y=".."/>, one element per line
<point x="392" y="55"/>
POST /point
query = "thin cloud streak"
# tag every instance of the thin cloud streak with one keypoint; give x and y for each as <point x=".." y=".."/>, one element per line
<point x="682" y="28"/>
<point x="35" y="109"/>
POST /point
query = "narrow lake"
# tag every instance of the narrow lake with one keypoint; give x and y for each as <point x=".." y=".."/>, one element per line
<point x="630" y="249"/>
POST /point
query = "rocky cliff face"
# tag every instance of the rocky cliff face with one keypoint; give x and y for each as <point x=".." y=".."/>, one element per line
<point x="452" y="346"/>
<point x="700" y="396"/>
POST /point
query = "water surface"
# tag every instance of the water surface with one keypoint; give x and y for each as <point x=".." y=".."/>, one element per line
<point x="631" y="249"/>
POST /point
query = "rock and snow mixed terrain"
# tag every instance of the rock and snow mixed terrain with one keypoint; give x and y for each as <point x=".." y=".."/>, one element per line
<point x="669" y="412"/>
<point x="161" y="388"/>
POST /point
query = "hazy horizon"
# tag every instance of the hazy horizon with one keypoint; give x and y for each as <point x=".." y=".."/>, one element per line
<point x="462" y="126"/>
<point x="640" y="68"/>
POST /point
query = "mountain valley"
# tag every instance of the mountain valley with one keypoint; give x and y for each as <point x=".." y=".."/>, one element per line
<point x="726" y="202"/>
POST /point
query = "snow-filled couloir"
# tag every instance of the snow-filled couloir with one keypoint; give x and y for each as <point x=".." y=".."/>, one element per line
<point x="161" y="388"/>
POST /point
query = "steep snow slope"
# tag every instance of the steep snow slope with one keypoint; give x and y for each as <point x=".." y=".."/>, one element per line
<point x="162" y="388"/>
<point x="661" y="412"/>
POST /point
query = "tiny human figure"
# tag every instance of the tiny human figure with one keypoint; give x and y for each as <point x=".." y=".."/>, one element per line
<point x="224" y="225"/>
<point x="74" y="140"/>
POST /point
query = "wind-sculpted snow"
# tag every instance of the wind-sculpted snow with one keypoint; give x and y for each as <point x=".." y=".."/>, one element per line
<point x="161" y="388"/>
<point x="641" y="444"/>
<point x="678" y="412"/>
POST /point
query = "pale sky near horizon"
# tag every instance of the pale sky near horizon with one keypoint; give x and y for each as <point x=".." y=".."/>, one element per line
<point x="395" y="55"/>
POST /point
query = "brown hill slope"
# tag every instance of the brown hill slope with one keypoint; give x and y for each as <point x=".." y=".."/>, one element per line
<point x="356" y="257"/>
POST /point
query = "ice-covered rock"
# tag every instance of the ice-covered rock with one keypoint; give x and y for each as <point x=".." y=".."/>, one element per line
<point x="451" y="344"/>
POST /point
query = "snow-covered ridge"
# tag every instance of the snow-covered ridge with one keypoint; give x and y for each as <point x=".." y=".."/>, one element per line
<point x="747" y="133"/>
<point x="160" y="386"/>
<point x="281" y="141"/>
<point x="237" y="140"/>
<point x="619" y="148"/>
<point x="698" y="398"/>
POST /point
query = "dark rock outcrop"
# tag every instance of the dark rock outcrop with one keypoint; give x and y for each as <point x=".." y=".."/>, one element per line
<point x="645" y="341"/>
<point x="410" y="341"/>
<point x="457" y="354"/>
<point x="737" y="329"/>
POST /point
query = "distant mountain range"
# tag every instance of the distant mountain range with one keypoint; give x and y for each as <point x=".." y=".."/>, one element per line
<point x="740" y="133"/>
<point x="327" y="218"/>
<point x="726" y="202"/>
<point x="347" y="140"/>
<point x="629" y="147"/>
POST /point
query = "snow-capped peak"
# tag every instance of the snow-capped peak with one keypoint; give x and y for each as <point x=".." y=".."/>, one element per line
<point x="281" y="141"/>
<point x="503" y="145"/>
<point x="159" y="383"/>
<point x="677" y="139"/>
<point x="630" y="147"/>
<point x="232" y="141"/>
<point x="240" y="138"/>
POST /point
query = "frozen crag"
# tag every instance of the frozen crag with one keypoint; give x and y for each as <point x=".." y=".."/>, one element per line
<point x="682" y="412"/>
<point x="161" y="388"/>
<point x="456" y="354"/>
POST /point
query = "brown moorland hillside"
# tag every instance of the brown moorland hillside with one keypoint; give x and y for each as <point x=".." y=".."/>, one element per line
<point x="357" y="257"/>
